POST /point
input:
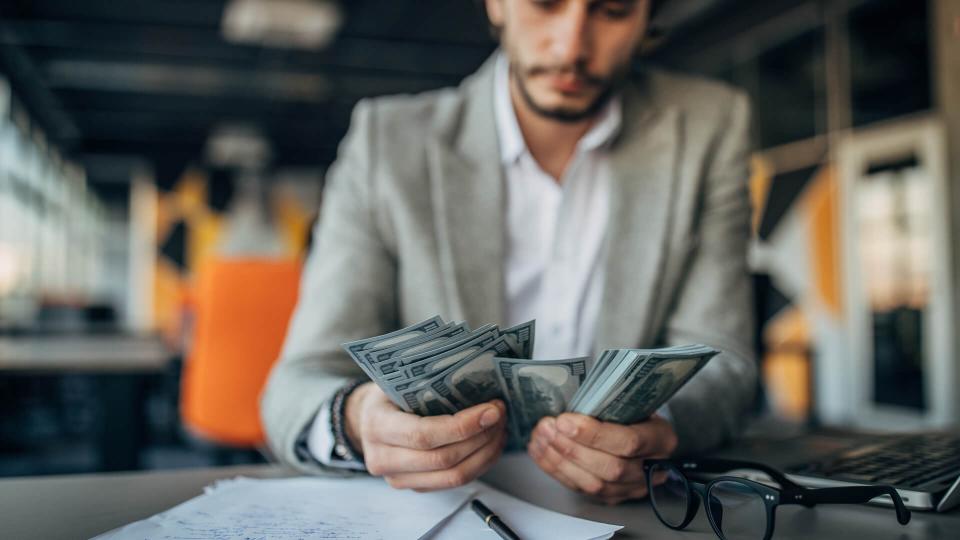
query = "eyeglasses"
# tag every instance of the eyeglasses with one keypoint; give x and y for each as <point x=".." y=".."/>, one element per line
<point x="737" y="508"/>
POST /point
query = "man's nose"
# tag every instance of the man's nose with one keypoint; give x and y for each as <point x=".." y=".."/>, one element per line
<point x="571" y="37"/>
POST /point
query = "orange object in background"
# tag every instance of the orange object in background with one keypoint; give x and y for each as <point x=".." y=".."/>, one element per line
<point x="786" y="366"/>
<point x="242" y="309"/>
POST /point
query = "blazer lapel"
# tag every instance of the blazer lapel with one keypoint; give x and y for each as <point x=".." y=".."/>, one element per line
<point x="643" y="186"/>
<point x="467" y="190"/>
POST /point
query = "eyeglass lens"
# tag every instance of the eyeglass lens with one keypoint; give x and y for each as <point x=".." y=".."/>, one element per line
<point x="670" y="495"/>
<point x="737" y="510"/>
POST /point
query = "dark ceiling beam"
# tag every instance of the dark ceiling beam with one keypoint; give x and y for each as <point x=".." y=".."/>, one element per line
<point x="159" y="147"/>
<point x="122" y="120"/>
<point x="136" y="144"/>
<point x="168" y="44"/>
<point x="444" y="58"/>
<point x="90" y="37"/>
<point x="210" y="80"/>
<point x="159" y="130"/>
<point x="197" y="13"/>
<point x="398" y="69"/>
<point x="187" y="80"/>
<point x="362" y="18"/>
<point x="440" y="21"/>
<point x="321" y="125"/>
<point x="146" y="134"/>
<point x="103" y="167"/>
<point x="80" y="100"/>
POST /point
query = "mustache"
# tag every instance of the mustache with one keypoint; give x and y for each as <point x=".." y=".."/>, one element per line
<point x="576" y="70"/>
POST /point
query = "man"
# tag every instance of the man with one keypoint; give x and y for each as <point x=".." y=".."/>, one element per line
<point x="547" y="185"/>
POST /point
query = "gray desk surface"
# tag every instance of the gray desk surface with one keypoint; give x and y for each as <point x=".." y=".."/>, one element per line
<point x="108" y="353"/>
<point x="85" y="505"/>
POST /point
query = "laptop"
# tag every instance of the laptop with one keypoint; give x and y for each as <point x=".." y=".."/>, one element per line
<point x="923" y="467"/>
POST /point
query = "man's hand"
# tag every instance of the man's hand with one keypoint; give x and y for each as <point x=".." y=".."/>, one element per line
<point x="424" y="453"/>
<point x="601" y="459"/>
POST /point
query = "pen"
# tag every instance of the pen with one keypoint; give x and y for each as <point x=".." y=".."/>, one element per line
<point x="493" y="521"/>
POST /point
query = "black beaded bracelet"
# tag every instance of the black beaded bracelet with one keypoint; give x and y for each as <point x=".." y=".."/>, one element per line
<point x="342" y="446"/>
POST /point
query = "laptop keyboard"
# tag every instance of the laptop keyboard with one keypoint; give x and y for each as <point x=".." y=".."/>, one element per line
<point x="929" y="461"/>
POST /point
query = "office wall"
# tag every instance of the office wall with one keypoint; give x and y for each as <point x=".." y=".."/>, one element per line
<point x="945" y="51"/>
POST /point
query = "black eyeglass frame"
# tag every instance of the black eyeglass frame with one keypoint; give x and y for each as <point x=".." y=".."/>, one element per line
<point x="790" y="492"/>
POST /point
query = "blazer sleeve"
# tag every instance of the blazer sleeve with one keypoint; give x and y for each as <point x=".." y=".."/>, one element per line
<point x="346" y="292"/>
<point x="714" y="304"/>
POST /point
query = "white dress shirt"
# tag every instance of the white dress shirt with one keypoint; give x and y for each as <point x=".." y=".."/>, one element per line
<point x="554" y="241"/>
<point x="555" y="231"/>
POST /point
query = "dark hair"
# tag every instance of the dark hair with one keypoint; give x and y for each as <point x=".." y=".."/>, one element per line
<point x="655" y="6"/>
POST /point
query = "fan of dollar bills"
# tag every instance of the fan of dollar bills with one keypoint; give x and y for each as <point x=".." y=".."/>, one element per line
<point x="434" y="367"/>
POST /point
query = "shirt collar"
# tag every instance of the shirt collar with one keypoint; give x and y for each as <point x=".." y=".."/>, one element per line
<point x="512" y="145"/>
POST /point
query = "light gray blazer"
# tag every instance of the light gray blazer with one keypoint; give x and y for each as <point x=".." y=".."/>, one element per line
<point x="412" y="225"/>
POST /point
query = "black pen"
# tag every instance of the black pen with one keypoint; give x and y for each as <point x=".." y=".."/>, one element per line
<point x="493" y="521"/>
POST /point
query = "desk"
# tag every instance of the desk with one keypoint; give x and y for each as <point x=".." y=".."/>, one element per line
<point x="85" y="505"/>
<point x="119" y="363"/>
<point x="110" y="353"/>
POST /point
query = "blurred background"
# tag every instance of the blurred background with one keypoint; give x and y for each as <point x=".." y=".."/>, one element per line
<point x="161" y="163"/>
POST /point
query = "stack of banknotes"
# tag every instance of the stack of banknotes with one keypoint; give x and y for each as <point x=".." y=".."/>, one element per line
<point x="435" y="367"/>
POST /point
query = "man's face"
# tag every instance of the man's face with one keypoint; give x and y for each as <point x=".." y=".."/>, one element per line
<point x="568" y="56"/>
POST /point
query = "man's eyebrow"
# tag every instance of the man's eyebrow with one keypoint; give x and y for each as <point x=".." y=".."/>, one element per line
<point x="624" y="3"/>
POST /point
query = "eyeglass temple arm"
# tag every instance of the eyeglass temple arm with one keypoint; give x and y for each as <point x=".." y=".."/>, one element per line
<point x="725" y="465"/>
<point x="845" y="495"/>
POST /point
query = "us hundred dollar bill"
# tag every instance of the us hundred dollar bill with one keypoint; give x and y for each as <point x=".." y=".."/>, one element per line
<point x="356" y="348"/>
<point x="386" y="360"/>
<point x="433" y="362"/>
<point x="662" y="378"/>
<point x="538" y="388"/>
<point x="521" y="338"/>
<point x="472" y="380"/>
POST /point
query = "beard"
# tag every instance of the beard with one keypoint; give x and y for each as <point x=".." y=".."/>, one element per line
<point x="605" y="88"/>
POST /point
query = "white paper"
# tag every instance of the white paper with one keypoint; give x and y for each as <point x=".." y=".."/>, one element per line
<point x="301" y="508"/>
<point x="350" y="508"/>
<point x="528" y="521"/>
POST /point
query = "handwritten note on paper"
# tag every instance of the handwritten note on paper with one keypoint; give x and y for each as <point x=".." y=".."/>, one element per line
<point x="301" y="508"/>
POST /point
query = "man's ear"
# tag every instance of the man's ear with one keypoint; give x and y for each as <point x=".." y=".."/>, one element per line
<point x="495" y="12"/>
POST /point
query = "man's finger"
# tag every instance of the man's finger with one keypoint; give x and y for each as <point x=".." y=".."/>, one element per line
<point x="607" y="467"/>
<point x="547" y="467"/>
<point x="467" y="470"/>
<point x="644" y="439"/>
<point x="607" y="492"/>
<point x="583" y="480"/>
<point x="384" y="460"/>
<point x="398" y="428"/>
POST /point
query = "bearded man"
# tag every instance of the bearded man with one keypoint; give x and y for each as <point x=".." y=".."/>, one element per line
<point x="557" y="183"/>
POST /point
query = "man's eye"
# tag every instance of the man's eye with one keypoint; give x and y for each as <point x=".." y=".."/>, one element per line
<point x="616" y="13"/>
<point x="616" y="10"/>
<point x="545" y="4"/>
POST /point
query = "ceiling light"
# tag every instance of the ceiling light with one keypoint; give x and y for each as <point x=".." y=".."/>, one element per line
<point x="301" y="24"/>
<point x="238" y="146"/>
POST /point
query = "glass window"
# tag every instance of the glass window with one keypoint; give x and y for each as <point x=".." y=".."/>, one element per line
<point x="894" y="226"/>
